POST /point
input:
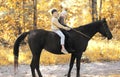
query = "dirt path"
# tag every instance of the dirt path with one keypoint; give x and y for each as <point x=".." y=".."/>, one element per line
<point x="106" y="69"/>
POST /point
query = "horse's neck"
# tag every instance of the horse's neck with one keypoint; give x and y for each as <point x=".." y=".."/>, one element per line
<point x="90" y="29"/>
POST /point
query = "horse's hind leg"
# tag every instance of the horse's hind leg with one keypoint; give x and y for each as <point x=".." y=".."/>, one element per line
<point x="36" y="51"/>
<point x="37" y="65"/>
<point x="32" y="65"/>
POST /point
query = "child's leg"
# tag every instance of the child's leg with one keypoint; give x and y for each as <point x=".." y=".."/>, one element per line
<point x="62" y="40"/>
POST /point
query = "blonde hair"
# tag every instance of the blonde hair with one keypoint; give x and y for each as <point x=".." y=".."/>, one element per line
<point x="64" y="12"/>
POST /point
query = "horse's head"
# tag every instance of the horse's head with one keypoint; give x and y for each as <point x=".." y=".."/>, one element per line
<point x="104" y="29"/>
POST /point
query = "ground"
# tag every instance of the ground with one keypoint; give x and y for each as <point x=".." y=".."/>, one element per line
<point x="95" y="69"/>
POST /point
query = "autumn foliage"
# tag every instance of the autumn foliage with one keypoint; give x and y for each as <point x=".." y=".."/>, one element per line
<point x="16" y="16"/>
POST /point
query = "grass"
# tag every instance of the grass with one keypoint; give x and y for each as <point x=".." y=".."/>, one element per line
<point x="103" y="50"/>
<point x="97" y="50"/>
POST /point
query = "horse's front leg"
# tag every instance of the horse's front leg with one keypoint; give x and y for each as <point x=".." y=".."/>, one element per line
<point x="78" y="64"/>
<point x="71" y="65"/>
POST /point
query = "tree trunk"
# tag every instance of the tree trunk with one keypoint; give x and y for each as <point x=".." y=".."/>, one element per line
<point x="94" y="10"/>
<point x="17" y="18"/>
<point x="24" y="14"/>
<point x="35" y="14"/>
<point x="100" y="9"/>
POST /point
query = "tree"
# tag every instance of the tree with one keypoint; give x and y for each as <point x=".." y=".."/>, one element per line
<point x="94" y="10"/>
<point x="17" y="17"/>
<point x="100" y="9"/>
<point x="23" y="14"/>
<point x="35" y="14"/>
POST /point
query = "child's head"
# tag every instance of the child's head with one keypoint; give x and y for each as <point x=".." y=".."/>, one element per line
<point x="63" y="13"/>
<point x="54" y="13"/>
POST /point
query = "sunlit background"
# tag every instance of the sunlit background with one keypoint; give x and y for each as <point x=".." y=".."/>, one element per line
<point x="16" y="18"/>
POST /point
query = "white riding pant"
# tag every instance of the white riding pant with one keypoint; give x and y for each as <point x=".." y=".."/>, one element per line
<point x="62" y="37"/>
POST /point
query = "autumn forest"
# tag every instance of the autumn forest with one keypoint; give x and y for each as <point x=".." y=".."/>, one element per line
<point x="18" y="16"/>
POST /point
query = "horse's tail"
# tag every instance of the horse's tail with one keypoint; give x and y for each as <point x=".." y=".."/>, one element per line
<point x="16" y="49"/>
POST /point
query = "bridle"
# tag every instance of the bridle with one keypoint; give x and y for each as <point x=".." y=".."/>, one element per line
<point x="104" y="27"/>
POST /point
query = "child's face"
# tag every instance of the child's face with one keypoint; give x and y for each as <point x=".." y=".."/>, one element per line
<point x="64" y="15"/>
<point x="55" y="14"/>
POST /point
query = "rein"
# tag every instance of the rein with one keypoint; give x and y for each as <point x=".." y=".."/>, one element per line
<point x="79" y="32"/>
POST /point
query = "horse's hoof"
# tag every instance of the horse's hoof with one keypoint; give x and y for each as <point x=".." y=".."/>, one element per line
<point x="65" y="74"/>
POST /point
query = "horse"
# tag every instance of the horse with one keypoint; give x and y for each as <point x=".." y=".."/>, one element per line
<point x="42" y="39"/>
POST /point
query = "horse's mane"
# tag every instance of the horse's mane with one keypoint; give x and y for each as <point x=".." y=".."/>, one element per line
<point x="92" y="23"/>
<point x="88" y="26"/>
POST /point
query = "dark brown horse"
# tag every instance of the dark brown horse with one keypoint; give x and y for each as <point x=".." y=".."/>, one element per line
<point x="42" y="39"/>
